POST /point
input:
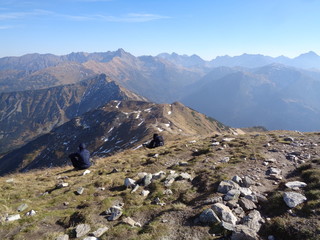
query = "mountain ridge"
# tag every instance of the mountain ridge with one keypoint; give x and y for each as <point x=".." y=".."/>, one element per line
<point x="113" y="127"/>
<point x="39" y="111"/>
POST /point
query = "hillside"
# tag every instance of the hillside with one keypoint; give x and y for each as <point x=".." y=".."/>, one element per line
<point x="39" y="111"/>
<point x="178" y="191"/>
<point x="113" y="127"/>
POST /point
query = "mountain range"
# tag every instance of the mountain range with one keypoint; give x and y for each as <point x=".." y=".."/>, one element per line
<point x="43" y="91"/>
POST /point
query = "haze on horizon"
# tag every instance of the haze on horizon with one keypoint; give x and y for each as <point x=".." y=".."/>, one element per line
<point x="208" y="28"/>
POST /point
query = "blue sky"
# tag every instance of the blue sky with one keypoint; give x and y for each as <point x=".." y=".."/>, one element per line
<point x="208" y="28"/>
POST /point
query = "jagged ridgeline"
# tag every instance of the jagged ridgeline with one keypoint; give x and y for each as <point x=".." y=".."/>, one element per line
<point x="39" y="111"/>
<point x="116" y="126"/>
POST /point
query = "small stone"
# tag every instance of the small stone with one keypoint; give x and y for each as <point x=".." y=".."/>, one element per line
<point x="288" y="139"/>
<point x="115" y="170"/>
<point x="147" y="179"/>
<point x="226" y="186"/>
<point x="63" y="237"/>
<point x="271" y="160"/>
<point x="295" y="184"/>
<point x="237" y="179"/>
<point x="271" y="237"/>
<point x="135" y="188"/>
<point x="79" y="190"/>
<point x="114" y="213"/>
<point x="82" y="229"/>
<point x="232" y="204"/>
<point x="62" y="185"/>
<point x="158" y="202"/>
<point x="10" y="180"/>
<point x="86" y="172"/>
<point x="273" y="170"/>
<point x="11" y="218"/>
<point x="185" y="176"/>
<point x="131" y="222"/>
<point x="91" y="238"/>
<point x="66" y="203"/>
<point x="225" y="160"/>
<point x="100" y="231"/>
<point x="215" y="144"/>
<point x="252" y="198"/>
<point x="22" y="207"/>
<point x="247" y="181"/>
<point x="275" y="177"/>
<point x="167" y="192"/>
<point x="128" y="182"/>
<point x="31" y="213"/>
<point x="158" y="175"/>
<point x="239" y="212"/>
<point x="183" y="163"/>
<point x="245" y="191"/>
<point x="169" y="182"/>
<point x="145" y="193"/>
<point x="227" y="139"/>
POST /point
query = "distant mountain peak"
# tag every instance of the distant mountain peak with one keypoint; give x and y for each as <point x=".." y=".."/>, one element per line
<point x="308" y="54"/>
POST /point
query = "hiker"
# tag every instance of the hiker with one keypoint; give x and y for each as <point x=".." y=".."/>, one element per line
<point x="157" y="141"/>
<point x="81" y="159"/>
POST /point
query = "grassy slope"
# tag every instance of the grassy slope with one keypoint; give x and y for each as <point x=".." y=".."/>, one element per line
<point x="61" y="210"/>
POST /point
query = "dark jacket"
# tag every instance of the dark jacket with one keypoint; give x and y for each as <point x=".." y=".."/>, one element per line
<point x="157" y="141"/>
<point x="81" y="158"/>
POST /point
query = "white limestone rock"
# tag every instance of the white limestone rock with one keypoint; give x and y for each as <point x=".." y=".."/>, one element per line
<point x="292" y="199"/>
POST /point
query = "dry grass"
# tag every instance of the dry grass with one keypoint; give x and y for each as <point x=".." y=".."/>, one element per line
<point x="61" y="210"/>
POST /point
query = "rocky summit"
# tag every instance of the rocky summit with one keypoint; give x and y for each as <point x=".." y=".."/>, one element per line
<point x="222" y="185"/>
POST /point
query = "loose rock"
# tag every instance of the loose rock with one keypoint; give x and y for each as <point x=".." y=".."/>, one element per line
<point x="295" y="184"/>
<point x="224" y="213"/>
<point x="82" y="229"/>
<point x="292" y="199"/>
<point x="63" y="237"/>
<point x="22" y="207"/>
<point x="128" y="182"/>
<point x="226" y="186"/>
<point x="11" y="218"/>
<point x="100" y="231"/>
<point x="113" y="213"/>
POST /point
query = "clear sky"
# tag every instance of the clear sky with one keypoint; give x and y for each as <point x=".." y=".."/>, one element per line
<point x="208" y="28"/>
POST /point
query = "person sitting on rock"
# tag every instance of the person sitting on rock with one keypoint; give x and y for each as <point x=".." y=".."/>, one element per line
<point x="157" y="141"/>
<point x="81" y="159"/>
